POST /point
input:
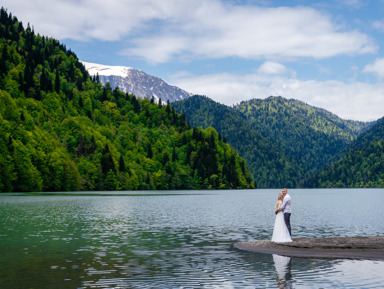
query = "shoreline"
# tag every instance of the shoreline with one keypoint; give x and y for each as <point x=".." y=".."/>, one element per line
<point x="368" y="248"/>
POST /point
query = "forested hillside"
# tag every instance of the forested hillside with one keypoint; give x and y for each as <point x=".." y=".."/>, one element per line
<point x="310" y="136"/>
<point x="270" y="166"/>
<point x="60" y="129"/>
<point x="362" y="166"/>
<point x="283" y="141"/>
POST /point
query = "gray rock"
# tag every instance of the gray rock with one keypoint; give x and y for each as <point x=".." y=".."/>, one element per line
<point x="333" y="248"/>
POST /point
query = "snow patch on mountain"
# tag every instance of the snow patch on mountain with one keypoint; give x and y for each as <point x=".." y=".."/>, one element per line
<point x="105" y="70"/>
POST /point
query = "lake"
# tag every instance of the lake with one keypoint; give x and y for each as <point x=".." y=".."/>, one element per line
<point x="180" y="239"/>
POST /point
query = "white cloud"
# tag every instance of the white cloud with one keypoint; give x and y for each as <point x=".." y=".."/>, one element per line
<point x="270" y="67"/>
<point x="357" y="101"/>
<point x="219" y="31"/>
<point x="161" y="30"/>
<point x="157" y="49"/>
<point x="376" y="68"/>
<point x="88" y="19"/>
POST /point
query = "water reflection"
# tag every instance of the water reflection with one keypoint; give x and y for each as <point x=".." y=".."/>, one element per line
<point x="283" y="269"/>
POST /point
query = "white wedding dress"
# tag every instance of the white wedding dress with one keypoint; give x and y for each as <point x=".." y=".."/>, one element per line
<point x="280" y="231"/>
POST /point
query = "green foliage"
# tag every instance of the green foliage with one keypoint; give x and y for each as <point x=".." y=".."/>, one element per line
<point x="61" y="130"/>
<point x="362" y="166"/>
<point x="283" y="141"/>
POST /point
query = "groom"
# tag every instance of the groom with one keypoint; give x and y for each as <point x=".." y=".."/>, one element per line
<point x="286" y="208"/>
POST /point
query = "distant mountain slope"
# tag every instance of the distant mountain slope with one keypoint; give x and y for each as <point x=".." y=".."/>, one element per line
<point x="311" y="136"/>
<point x="317" y="119"/>
<point x="269" y="166"/>
<point x="137" y="82"/>
<point x="374" y="134"/>
<point x="283" y="141"/>
<point x="362" y="166"/>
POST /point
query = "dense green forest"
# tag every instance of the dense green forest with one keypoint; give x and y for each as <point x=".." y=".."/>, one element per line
<point x="61" y="130"/>
<point x="283" y="141"/>
<point x="310" y="136"/>
<point x="271" y="168"/>
<point x="362" y="166"/>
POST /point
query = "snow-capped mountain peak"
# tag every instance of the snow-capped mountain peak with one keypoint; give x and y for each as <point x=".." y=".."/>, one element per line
<point x="137" y="82"/>
<point x="105" y="70"/>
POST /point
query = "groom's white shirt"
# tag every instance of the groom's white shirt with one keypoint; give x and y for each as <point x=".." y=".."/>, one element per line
<point x="286" y="206"/>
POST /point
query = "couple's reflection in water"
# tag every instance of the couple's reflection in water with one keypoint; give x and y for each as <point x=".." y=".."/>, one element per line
<point x="283" y="270"/>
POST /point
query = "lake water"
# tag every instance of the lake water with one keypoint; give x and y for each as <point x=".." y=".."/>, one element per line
<point x="180" y="239"/>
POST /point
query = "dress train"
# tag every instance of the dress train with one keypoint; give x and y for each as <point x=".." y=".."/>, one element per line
<point x="280" y="230"/>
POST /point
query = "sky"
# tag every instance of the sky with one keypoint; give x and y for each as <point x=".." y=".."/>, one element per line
<point x="328" y="54"/>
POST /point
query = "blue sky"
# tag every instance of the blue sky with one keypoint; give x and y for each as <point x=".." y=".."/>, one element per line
<point x="326" y="53"/>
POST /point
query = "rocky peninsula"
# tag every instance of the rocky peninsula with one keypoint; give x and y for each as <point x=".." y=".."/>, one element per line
<point x="370" y="248"/>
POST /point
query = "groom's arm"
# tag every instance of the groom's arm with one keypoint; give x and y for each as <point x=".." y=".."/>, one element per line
<point x="282" y="205"/>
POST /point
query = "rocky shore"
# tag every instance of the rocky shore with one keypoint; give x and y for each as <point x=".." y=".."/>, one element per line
<point x="371" y="248"/>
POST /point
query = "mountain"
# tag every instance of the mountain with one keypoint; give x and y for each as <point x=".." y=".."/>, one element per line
<point x="362" y="166"/>
<point x="136" y="82"/>
<point x="309" y="135"/>
<point x="61" y="130"/>
<point x="270" y="168"/>
<point x="283" y="141"/>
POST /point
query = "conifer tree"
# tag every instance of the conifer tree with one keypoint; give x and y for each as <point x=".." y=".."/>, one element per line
<point x="121" y="164"/>
<point x="150" y="153"/>
<point x="92" y="145"/>
<point x="28" y="74"/>
<point x="136" y="104"/>
<point x="3" y="59"/>
<point x="43" y="80"/>
<point x="174" y="156"/>
<point x="165" y="157"/>
<point x="107" y="163"/>
<point x="104" y="95"/>
<point x="57" y="81"/>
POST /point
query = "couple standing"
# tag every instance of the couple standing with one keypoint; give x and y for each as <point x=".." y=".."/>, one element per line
<point x="282" y="229"/>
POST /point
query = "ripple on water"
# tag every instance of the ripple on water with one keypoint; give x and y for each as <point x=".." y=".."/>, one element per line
<point x="183" y="241"/>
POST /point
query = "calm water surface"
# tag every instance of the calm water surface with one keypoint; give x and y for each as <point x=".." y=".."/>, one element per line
<point x="180" y="239"/>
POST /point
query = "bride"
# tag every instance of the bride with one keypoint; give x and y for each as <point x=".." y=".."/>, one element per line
<point x="280" y="231"/>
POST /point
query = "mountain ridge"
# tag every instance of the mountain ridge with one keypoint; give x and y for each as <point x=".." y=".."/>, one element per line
<point x="137" y="82"/>
<point x="284" y="141"/>
<point x="204" y="112"/>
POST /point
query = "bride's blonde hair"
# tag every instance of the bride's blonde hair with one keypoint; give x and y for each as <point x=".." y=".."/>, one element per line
<point x="280" y="196"/>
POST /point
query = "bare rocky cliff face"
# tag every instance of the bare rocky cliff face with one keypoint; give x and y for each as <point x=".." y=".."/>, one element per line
<point x="137" y="82"/>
